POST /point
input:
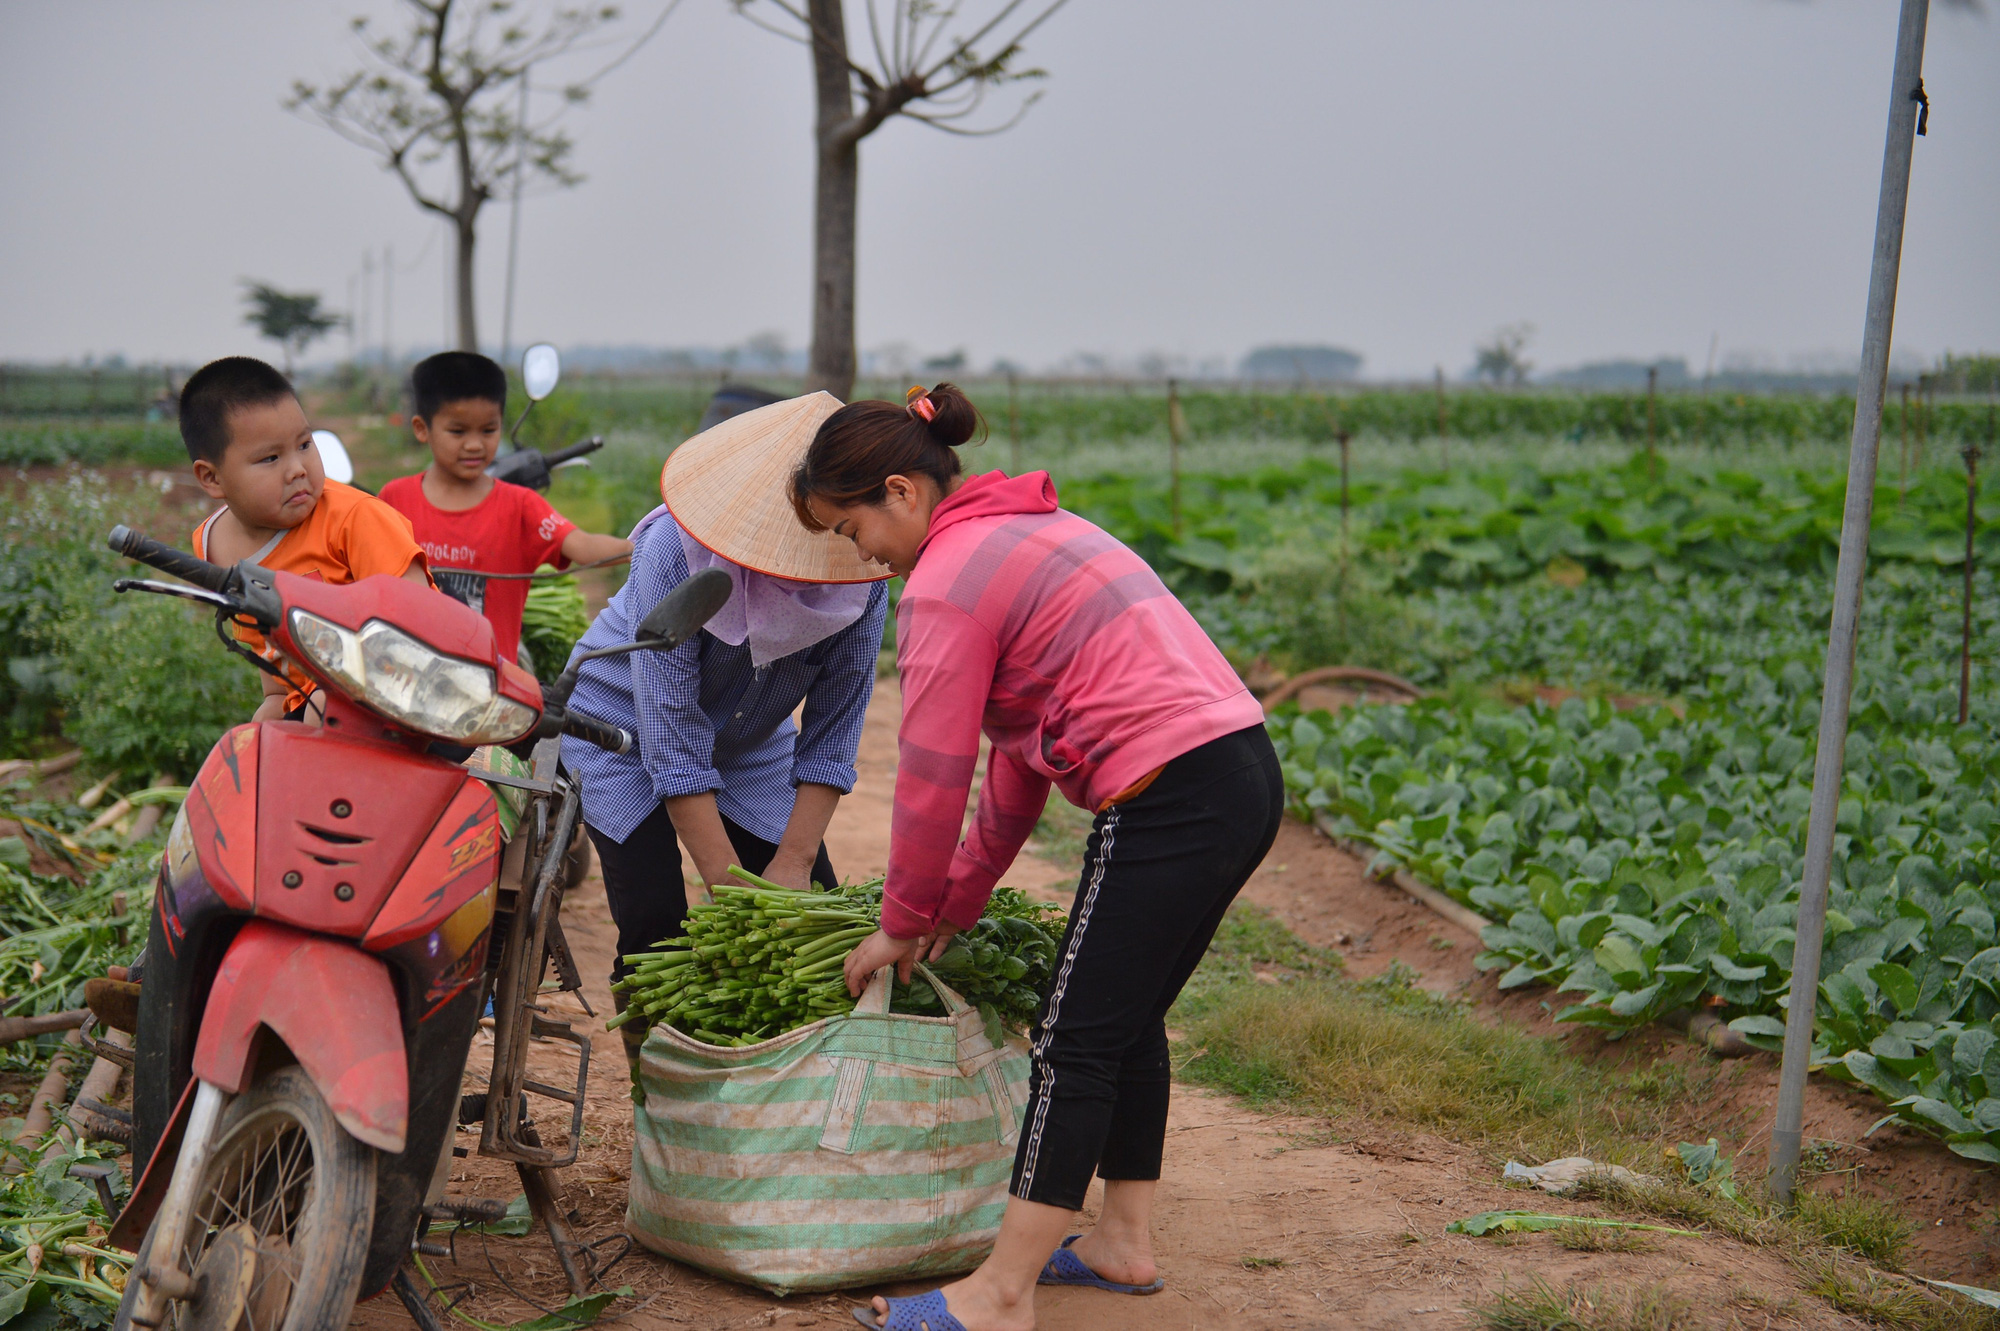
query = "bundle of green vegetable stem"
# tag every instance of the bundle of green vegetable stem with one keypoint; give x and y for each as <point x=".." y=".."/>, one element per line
<point x="760" y="960"/>
<point x="553" y="618"/>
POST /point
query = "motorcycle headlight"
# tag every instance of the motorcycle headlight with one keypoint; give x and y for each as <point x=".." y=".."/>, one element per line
<point x="412" y="684"/>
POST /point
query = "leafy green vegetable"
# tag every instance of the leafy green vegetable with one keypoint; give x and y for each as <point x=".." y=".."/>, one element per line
<point x="56" y="933"/>
<point x="554" y="617"/>
<point x="1643" y="860"/>
<point x="1532" y="1222"/>
<point x="52" y="1250"/>
<point x="760" y="960"/>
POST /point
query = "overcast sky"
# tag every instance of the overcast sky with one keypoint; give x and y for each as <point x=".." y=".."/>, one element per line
<point x="1634" y="178"/>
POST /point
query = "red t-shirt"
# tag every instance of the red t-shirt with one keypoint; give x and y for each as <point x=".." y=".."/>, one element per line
<point x="512" y="530"/>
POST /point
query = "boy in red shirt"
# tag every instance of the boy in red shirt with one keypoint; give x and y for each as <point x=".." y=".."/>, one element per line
<point x="466" y="520"/>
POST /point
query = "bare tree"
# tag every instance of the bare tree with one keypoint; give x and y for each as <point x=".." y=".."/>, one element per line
<point x="928" y="66"/>
<point x="442" y="92"/>
<point x="1500" y="359"/>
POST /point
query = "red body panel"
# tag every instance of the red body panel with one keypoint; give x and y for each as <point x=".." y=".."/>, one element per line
<point x="222" y="815"/>
<point x="334" y="1007"/>
<point x="390" y="909"/>
<point x="458" y="861"/>
<point x="394" y="798"/>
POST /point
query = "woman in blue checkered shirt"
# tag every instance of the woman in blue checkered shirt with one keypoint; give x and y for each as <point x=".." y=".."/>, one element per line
<point x="719" y="764"/>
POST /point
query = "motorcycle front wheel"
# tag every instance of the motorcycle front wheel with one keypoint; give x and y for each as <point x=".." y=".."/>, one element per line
<point x="281" y="1219"/>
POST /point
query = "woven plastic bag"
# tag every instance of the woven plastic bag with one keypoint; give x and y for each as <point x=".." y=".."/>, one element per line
<point x="855" y="1150"/>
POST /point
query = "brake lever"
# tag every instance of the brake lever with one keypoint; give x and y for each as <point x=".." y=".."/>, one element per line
<point x="182" y="590"/>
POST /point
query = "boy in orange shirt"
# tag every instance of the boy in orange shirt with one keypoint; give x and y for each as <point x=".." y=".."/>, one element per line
<point x="253" y="449"/>
<point x="468" y="522"/>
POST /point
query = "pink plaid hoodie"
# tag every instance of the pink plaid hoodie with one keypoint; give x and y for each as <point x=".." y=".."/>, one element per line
<point x="1071" y="655"/>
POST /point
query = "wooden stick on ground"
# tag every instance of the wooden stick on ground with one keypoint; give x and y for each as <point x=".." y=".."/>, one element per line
<point x="41" y="1109"/>
<point x="62" y="762"/>
<point x="13" y="1029"/>
<point x="99" y="1084"/>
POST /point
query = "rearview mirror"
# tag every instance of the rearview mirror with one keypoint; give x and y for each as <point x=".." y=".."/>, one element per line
<point x="684" y="610"/>
<point x="540" y="369"/>
<point x="333" y="457"/>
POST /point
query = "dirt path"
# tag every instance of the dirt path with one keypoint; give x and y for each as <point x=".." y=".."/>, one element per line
<point x="1264" y="1221"/>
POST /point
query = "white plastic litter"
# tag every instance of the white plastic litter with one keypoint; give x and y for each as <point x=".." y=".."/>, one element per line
<point x="1561" y="1176"/>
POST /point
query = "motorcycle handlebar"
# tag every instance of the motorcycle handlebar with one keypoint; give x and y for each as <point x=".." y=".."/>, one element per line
<point x="593" y="731"/>
<point x="576" y="450"/>
<point x="165" y="558"/>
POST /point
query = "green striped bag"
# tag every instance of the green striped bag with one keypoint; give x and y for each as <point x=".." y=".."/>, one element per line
<point x="856" y="1150"/>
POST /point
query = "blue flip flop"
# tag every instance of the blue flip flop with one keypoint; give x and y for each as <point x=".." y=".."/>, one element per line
<point x="922" y="1312"/>
<point x="1066" y="1268"/>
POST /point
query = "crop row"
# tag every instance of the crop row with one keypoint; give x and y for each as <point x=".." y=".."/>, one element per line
<point x="1645" y="860"/>
<point x="1043" y="417"/>
<point x="56" y="443"/>
<point x="1711" y="420"/>
<point x="1499" y="525"/>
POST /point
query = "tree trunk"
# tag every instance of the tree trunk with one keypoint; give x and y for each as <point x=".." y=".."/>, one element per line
<point x="834" y="193"/>
<point x="468" y="328"/>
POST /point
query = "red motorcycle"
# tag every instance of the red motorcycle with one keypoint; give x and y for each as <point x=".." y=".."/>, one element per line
<point x="318" y="956"/>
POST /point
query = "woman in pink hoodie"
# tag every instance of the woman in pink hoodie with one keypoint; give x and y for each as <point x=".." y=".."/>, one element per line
<point x="1036" y="628"/>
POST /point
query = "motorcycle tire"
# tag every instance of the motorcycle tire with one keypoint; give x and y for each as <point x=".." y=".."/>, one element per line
<point x="288" y="1185"/>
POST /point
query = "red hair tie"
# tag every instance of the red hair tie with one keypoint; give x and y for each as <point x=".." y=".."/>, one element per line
<point x="920" y="405"/>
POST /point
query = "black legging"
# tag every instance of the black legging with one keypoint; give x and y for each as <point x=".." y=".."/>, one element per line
<point x="1159" y="871"/>
<point x="642" y="880"/>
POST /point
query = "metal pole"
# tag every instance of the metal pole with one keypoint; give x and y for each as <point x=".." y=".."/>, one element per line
<point x="1838" y="688"/>
<point x="1014" y="417"/>
<point x="388" y="303"/>
<point x="1652" y="430"/>
<point x="1444" y="441"/>
<point x="1971" y="455"/>
<point x="514" y="225"/>
<point x="1176" y="430"/>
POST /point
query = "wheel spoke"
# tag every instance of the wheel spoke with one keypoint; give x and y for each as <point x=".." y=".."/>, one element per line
<point x="263" y="1177"/>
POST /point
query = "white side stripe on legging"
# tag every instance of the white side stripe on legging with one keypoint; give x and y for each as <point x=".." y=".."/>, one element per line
<point x="1045" y="1086"/>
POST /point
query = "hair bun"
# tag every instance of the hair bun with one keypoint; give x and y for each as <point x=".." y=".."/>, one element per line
<point x="955" y="420"/>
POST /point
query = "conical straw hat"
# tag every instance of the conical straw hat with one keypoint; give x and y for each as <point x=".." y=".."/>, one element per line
<point x="729" y="487"/>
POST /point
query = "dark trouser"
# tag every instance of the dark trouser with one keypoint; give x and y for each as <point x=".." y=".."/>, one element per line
<point x="1159" y="871"/>
<point x="642" y="880"/>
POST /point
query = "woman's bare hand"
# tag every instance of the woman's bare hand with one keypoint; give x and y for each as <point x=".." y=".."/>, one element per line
<point x="939" y="941"/>
<point x="790" y="872"/>
<point x="874" y="952"/>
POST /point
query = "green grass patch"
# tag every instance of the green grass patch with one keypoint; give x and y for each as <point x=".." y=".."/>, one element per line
<point x="1890" y="1301"/>
<point x="1385" y="1051"/>
<point x="1062" y="830"/>
<point x="1540" y="1306"/>
<point x="1250" y="942"/>
<point x="1865" y="1226"/>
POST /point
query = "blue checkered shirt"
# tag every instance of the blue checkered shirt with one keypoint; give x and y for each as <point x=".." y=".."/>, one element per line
<point x="705" y="719"/>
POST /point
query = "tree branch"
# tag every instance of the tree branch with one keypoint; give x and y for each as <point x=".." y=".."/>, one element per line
<point x="906" y="73"/>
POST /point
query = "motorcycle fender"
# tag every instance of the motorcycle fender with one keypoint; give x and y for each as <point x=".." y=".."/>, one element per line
<point x="150" y="1189"/>
<point x="334" y="1007"/>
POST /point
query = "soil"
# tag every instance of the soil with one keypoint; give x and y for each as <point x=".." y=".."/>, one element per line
<point x="1264" y="1220"/>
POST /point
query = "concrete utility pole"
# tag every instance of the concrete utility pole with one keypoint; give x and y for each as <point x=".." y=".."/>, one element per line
<point x="1905" y="94"/>
<point x="514" y="225"/>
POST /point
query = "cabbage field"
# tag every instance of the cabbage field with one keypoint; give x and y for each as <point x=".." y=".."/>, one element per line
<point x="1637" y="845"/>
